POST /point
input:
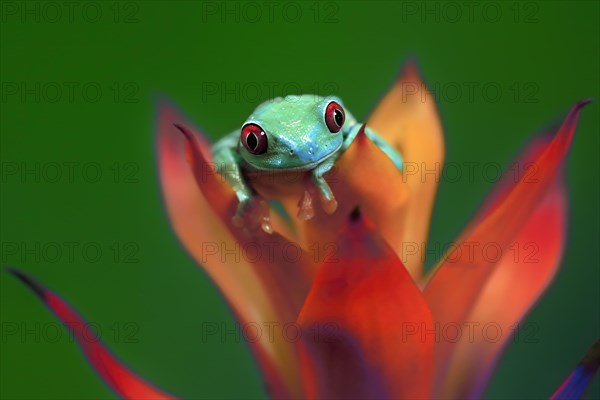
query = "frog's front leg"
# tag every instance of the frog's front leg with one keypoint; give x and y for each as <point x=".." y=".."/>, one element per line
<point x="252" y="211"/>
<point x="328" y="201"/>
<point x="389" y="150"/>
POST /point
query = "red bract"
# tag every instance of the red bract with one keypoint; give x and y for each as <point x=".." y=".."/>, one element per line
<point x="382" y="313"/>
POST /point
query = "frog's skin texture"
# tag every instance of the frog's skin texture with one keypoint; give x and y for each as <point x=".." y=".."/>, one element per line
<point x="301" y="136"/>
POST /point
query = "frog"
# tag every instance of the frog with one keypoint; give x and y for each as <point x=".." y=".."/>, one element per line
<point x="296" y="133"/>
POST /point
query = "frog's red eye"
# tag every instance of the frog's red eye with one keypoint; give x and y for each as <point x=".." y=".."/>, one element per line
<point x="254" y="139"/>
<point x="334" y="117"/>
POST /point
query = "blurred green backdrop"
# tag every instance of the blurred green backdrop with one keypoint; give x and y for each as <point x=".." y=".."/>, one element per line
<point x="78" y="86"/>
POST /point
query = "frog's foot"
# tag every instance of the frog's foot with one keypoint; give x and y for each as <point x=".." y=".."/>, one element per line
<point x="329" y="205"/>
<point x="253" y="214"/>
<point x="305" y="206"/>
<point x="328" y="201"/>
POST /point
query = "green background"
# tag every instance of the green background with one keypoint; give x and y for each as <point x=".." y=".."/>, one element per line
<point x="543" y="56"/>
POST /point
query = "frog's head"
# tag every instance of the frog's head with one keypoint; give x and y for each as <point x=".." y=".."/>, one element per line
<point x="295" y="132"/>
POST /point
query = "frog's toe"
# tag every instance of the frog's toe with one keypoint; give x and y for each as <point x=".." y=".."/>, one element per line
<point x="329" y="205"/>
<point x="252" y="215"/>
<point x="266" y="226"/>
<point x="306" y="210"/>
<point x="328" y="201"/>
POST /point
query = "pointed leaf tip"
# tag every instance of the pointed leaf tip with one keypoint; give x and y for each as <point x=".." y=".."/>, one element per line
<point x="573" y="114"/>
<point x="583" y="102"/>
<point x="361" y="138"/>
<point x="121" y="380"/>
<point x="28" y="281"/>
<point x="410" y="70"/>
<point x="592" y="358"/>
<point x="188" y="135"/>
<point x="577" y="382"/>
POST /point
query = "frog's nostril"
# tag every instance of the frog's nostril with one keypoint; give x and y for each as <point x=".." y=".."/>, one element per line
<point x="291" y="152"/>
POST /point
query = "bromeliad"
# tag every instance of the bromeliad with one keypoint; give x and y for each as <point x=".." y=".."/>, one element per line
<point x="387" y="313"/>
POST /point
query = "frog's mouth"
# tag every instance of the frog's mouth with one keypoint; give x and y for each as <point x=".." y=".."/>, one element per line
<point x="304" y="166"/>
<point x="313" y="164"/>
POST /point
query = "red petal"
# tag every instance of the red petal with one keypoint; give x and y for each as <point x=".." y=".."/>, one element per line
<point x="362" y="324"/>
<point x="503" y="261"/>
<point x="264" y="278"/>
<point x="125" y="383"/>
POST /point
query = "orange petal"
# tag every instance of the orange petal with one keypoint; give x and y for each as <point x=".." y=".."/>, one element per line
<point x="124" y="382"/>
<point x="407" y="118"/>
<point x="501" y="264"/>
<point x="361" y="324"/>
<point x="264" y="278"/>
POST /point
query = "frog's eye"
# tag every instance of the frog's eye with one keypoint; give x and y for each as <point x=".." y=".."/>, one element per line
<point x="334" y="117"/>
<point x="254" y="139"/>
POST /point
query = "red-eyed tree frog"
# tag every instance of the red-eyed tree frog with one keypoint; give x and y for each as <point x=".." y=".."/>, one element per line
<point x="304" y="134"/>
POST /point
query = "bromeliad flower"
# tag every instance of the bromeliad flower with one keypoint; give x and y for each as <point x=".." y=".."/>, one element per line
<point x="383" y="316"/>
